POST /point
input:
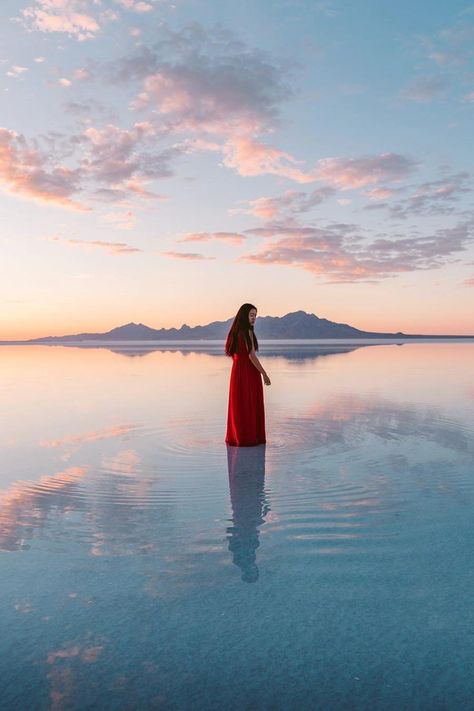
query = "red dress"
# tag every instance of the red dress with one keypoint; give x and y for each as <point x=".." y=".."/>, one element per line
<point x="246" y="413"/>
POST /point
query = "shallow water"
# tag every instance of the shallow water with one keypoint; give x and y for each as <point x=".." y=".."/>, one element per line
<point x="145" y="564"/>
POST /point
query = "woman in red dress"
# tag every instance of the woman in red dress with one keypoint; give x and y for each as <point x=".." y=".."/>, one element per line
<point x="246" y="413"/>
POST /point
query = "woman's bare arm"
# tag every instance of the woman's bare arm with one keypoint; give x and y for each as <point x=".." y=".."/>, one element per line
<point x="256" y="362"/>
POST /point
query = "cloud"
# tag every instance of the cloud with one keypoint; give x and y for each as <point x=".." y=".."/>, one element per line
<point x="82" y="74"/>
<point x="136" y="5"/>
<point x="433" y="198"/>
<point x="120" y="220"/>
<point x="342" y="253"/>
<point x="380" y="193"/>
<point x="110" y="247"/>
<point x="292" y="202"/>
<point x="251" y="157"/>
<point x="114" y="156"/>
<point x="81" y="19"/>
<point x="24" y="171"/>
<point x="185" y="255"/>
<point x="72" y="17"/>
<point x="112" y="163"/>
<point x="350" y="173"/>
<point x="469" y="282"/>
<point x="207" y="81"/>
<point x="425" y="88"/>
<point x="211" y="84"/>
<point x="16" y="71"/>
<point x="232" y="237"/>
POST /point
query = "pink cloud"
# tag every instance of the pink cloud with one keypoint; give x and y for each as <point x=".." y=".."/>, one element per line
<point x="379" y="193"/>
<point x="250" y="157"/>
<point x="16" y="71"/>
<point x="23" y="170"/>
<point x="232" y="237"/>
<point x="81" y="19"/>
<point x="341" y="253"/>
<point x="212" y="84"/>
<point x="72" y="17"/>
<point x="291" y="203"/>
<point x="116" y="156"/>
<point x="136" y="5"/>
<point x="110" y="247"/>
<point x="121" y="220"/>
<point x="185" y="255"/>
<point x="137" y="187"/>
<point x="350" y="173"/>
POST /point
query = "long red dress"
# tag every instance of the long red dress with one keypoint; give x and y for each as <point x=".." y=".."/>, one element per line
<point x="246" y="412"/>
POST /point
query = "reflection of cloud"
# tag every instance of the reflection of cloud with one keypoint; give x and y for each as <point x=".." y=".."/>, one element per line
<point x="65" y="673"/>
<point x="126" y="508"/>
<point x="94" y="436"/>
<point x="125" y="462"/>
<point x="343" y="422"/>
<point x="25" y="506"/>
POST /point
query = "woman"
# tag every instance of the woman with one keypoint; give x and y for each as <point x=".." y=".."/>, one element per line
<point x="246" y="413"/>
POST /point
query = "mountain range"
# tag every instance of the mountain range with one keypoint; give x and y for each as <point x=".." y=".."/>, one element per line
<point x="295" y="325"/>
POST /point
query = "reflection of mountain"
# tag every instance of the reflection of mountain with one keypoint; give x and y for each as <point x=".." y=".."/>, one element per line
<point x="246" y="466"/>
<point x="290" y="351"/>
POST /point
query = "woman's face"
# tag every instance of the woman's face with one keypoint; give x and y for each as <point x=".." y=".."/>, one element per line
<point x="252" y="316"/>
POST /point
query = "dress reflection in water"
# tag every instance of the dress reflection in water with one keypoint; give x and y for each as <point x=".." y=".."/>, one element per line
<point x="249" y="506"/>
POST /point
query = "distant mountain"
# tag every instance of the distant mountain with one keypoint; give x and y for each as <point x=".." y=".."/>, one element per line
<point x="296" y="325"/>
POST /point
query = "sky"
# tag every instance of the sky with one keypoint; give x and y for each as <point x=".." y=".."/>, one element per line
<point x="164" y="162"/>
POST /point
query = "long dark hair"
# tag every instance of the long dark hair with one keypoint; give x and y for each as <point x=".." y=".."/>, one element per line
<point x="241" y="325"/>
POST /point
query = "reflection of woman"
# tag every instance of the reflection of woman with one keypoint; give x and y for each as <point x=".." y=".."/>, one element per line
<point x="249" y="506"/>
<point x="246" y="412"/>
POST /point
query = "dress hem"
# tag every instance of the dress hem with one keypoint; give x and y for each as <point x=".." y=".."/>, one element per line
<point x="254" y="444"/>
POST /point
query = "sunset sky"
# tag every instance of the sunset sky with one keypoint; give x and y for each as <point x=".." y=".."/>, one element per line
<point x="163" y="162"/>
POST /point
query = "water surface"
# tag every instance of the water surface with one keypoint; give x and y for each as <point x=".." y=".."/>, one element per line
<point x="145" y="564"/>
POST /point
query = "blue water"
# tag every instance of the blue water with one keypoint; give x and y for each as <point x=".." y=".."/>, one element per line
<point x="145" y="564"/>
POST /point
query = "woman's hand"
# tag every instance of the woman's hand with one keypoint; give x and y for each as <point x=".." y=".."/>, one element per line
<point x="266" y="379"/>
